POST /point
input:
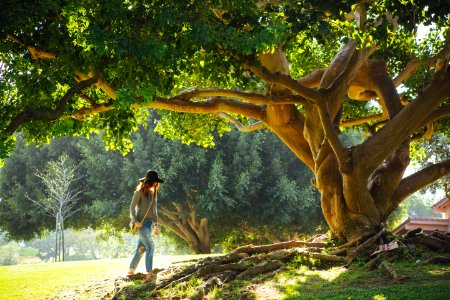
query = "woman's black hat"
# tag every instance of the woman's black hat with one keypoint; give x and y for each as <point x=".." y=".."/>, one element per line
<point x="152" y="176"/>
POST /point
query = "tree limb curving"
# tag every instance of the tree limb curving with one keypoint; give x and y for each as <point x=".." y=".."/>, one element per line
<point x="418" y="180"/>
<point x="214" y="105"/>
<point x="361" y="121"/>
<point x="247" y="128"/>
<point x="284" y="80"/>
<point x="48" y="114"/>
<point x="253" y="98"/>
<point x="405" y="123"/>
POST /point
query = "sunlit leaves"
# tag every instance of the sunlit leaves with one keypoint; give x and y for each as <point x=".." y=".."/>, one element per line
<point x="426" y="153"/>
<point x="7" y="146"/>
<point x="77" y="23"/>
<point x="443" y="126"/>
<point x="117" y="126"/>
<point x="307" y="55"/>
<point x="200" y="129"/>
<point x="144" y="94"/>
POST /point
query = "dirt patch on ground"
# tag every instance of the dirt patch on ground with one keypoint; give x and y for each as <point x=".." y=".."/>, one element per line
<point x="96" y="290"/>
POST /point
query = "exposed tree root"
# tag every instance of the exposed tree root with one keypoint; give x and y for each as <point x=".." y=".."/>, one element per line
<point x="321" y="256"/>
<point x="375" y="262"/>
<point x="413" y="233"/>
<point x="204" y="288"/>
<point x="137" y="276"/>
<point x="260" y="268"/>
<point x="351" y="243"/>
<point x="441" y="236"/>
<point x="431" y="242"/>
<point x="363" y="247"/>
<point x="442" y="260"/>
<point x="243" y="263"/>
<point x="246" y="262"/>
<point x="250" y="250"/>
<point x="391" y="270"/>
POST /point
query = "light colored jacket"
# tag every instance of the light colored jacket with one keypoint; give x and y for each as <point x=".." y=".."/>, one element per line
<point x="140" y="205"/>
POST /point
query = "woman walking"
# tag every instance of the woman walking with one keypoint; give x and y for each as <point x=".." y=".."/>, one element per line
<point x="143" y="214"/>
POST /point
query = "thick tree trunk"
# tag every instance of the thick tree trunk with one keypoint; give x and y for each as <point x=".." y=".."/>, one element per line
<point x="184" y="222"/>
<point x="346" y="201"/>
<point x="347" y="208"/>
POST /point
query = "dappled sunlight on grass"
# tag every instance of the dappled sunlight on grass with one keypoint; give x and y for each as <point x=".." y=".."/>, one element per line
<point x="440" y="272"/>
<point x="302" y="279"/>
<point x="269" y="292"/>
<point x="358" y="282"/>
<point x="303" y="275"/>
<point x="328" y="275"/>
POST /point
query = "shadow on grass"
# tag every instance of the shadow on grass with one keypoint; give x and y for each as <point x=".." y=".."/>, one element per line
<point x="422" y="282"/>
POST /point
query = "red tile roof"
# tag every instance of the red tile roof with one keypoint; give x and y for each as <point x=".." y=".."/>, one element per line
<point x="427" y="224"/>
<point x="441" y="203"/>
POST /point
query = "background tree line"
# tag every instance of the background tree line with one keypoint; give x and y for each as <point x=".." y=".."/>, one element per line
<point x="248" y="188"/>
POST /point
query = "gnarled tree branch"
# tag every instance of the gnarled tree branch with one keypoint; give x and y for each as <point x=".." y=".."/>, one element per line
<point x="253" y="98"/>
<point x="414" y="64"/>
<point x="284" y="80"/>
<point x="313" y="79"/>
<point x="440" y="113"/>
<point x="382" y="84"/>
<point x="213" y="105"/>
<point x="247" y="128"/>
<point x="48" y="114"/>
<point x="39" y="53"/>
<point x="361" y="121"/>
<point x="362" y="94"/>
<point x="36" y="52"/>
<point x="333" y="87"/>
<point x="405" y="123"/>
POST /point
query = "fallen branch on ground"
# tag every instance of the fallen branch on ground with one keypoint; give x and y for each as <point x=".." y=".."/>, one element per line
<point x="391" y="270"/>
<point x="364" y="246"/>
<point x="442" y="260"/>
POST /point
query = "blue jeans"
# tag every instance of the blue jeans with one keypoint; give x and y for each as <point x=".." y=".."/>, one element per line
<point x="145" y="240"/>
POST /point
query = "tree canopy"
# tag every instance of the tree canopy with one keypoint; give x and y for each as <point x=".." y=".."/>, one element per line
<point x="303" y="69"/>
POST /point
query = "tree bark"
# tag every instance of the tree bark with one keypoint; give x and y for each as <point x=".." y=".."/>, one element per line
<point x="184" y="222"/>
<point x="346" y="202"/>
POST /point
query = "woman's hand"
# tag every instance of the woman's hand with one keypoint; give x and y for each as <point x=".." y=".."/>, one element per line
<point x="155" y="230"/>
<point x="138" y="224"/>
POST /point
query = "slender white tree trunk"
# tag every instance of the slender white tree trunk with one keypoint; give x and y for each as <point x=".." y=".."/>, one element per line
<point x="63" y="248"/>
<point x="56" y="237"/>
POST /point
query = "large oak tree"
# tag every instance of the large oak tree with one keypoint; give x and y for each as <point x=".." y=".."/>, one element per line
<point x="302" y="69"/>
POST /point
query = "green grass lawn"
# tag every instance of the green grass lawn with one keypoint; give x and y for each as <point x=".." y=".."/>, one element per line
<point x="428" y="282"/>
<point x="431" y="282"/>
<point x="68" y="279"/>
